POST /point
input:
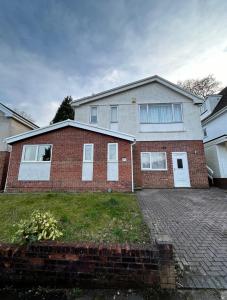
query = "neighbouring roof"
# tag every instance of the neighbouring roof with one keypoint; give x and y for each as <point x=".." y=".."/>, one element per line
<point x="67" y="123"/>
<point x="221" y="104"/>
<point x="129" y="86"/>
<point x="13" y="114"/>
<point x="223" y="101"/>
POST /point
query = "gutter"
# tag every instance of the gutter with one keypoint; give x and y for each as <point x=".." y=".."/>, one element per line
<point x="132" y="166"/>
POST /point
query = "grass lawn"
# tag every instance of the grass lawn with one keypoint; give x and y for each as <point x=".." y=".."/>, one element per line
<point x="94" y="217"/>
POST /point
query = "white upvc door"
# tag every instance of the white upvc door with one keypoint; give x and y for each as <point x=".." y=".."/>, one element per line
<point x="112" y="162"/>
<point x="180" y="169"/>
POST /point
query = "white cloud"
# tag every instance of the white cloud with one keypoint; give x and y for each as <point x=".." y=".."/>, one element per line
<point x="176" y="44"/>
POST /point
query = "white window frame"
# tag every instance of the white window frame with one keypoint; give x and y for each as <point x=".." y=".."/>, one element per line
<point x="36" y="154"/>
<point x="113" y="106"/>
<point x="150" y="153"/>
<point x="108" y="152"/>
<point x="172" y="104"/>
<point x="94" y="106"/>
<point x="92" y="154"/>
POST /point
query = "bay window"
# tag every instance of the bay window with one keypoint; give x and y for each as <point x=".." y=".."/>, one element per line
<point x="160" y="113"/>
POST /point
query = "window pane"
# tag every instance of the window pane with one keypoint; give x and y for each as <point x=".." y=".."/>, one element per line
<point x="114" y="118"/>
<point x="180" y="163"/>
<point x="93" y="114"/>
<point x="145" y="157"/>
<point x="112" y="152"/>
<point x="177" y="112"/>
<point x="158" y="160"/>
<point x="143" y="113"/>
<point x="160" y="113"/>
<point x="29" y="153"/>
<point x="88" y="152"/>
<point x="44" y="153"/>
<point x="153" y="114"/>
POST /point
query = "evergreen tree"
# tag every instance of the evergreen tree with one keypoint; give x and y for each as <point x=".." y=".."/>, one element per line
<point x="65" y="111"/>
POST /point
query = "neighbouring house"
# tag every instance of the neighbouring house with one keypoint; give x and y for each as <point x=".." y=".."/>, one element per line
<point x="70" y="156"/>
<point x="214" y="123"/>
<point x="11" y="123"/>
<point x="146" y="134"/>
<point x="165" y="119"/>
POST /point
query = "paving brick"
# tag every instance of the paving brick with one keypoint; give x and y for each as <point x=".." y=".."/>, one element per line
<point x="194" y="220"/>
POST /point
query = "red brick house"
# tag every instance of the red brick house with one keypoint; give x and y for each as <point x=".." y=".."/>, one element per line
<point x="145" y="134"/>
<point x="70" y="156"/>
<point x="165" y="119"/>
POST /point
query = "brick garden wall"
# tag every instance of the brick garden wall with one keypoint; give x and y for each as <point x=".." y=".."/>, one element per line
<point x="4" y="160"/>
<point x="87" y="265"/>
<point x="66" y="165"/>
<point x="164" y="179"/>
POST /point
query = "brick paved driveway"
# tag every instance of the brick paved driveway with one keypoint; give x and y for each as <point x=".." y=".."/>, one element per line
<point x="195" y="220"/>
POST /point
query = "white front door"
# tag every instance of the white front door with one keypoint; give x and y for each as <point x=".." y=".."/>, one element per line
<point x="180" y="169"/>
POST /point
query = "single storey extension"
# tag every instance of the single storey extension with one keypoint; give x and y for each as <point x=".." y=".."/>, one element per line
<point x="70" y="156"/>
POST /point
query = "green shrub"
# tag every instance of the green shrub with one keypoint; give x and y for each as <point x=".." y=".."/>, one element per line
<point x="40" y="226"/>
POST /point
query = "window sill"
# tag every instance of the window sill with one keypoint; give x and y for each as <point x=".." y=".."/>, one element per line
<point x="149" y="170"/>
<point x="35" y="162"/>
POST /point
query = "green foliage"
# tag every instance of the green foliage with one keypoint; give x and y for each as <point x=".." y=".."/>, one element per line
<point x="65" y="111"/>
<point x="82" y="217"/>
<point x="40" y="226"/>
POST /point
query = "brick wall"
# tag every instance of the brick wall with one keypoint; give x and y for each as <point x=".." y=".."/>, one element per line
<point x="164" y="179"/>
<point x="4" y="160"/>
<point x="87" y="265"/>
<point x="66" y="165"/>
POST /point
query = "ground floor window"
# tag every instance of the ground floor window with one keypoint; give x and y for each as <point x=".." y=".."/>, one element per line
<point x="87" y="167"/>
<point x="35" y="163"/>
<point x="36" y="153"/>
<point x="154" y="161"/>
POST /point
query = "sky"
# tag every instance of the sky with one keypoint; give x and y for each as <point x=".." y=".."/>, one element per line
<point x="53" y="48"/>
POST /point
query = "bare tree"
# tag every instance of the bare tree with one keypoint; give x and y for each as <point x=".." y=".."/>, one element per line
<point x="201" y="87"/>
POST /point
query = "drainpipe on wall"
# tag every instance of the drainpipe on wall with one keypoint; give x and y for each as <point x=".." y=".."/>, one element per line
<point x="132" y="165"/>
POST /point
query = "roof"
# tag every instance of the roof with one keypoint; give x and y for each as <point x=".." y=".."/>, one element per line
<point x="63" y="124"/>
<point x="13" y="114"/>
<point x="221" y="104"/>
<point x="129" y="86"/>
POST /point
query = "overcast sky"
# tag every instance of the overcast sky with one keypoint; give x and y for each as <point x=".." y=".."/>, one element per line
<point x="53" y="48"/>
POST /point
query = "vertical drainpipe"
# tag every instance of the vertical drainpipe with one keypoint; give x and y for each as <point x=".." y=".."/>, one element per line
<point x="132" y="165"/>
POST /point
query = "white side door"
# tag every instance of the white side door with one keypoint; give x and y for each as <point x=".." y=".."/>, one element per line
<point x="180" y="169"/>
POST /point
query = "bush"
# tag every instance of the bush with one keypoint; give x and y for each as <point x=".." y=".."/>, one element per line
<point x="40" y="226"/>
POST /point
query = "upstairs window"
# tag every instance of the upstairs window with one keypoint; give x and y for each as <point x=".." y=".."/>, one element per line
<point x="93" y="115"/>
<point x="36" y="153"/>
<point x="160" y="113"/>
<point x="114" y="114"/>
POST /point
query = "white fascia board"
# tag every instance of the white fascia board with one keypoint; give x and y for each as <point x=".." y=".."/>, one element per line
<point x="216" y="115"/>
<point x="66" y="123"/>
<point x="25" y="122"/>
<point x="216" y="141"/>
<point x="120" y="89"/>
<point x="9" y="114"/>
<point x="6" y="111"/>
